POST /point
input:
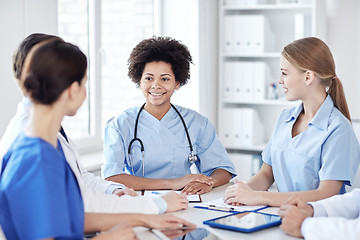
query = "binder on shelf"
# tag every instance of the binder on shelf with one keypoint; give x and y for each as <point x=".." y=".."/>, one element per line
<point x="260" y="75"/>
<point x="229" y="38"/>
<point x="247" y="34"/>
<point x="237" y="80"/>
<point x="242" y="81"/>
<point x="262" y="35"/>
<point x="237" y="127"/>
<point x="247" y="80"/>
<point x="241" y="127"/>
<point x="228" y="80"/>
<point x="239" y="34"/>
<point x="225" y="131"/>
<point x="253" y="130"/>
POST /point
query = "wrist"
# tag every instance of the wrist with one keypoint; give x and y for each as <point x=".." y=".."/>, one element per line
<point x="116" y="190"/>
<point x="171" y="184"/>
<point x="309" y="210"/>
<point x="260" y="198"/>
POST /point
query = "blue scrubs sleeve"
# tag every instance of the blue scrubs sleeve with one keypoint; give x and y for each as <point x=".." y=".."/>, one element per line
<point x="211" y="153"/>
<point x="340" y="155"/>
<point x="114" y="152"/>
<point x="37" y="207"/>
<point x="266" y="154"/>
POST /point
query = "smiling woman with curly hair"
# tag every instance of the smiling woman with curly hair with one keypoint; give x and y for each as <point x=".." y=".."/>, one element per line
<point x="154" y="146"/>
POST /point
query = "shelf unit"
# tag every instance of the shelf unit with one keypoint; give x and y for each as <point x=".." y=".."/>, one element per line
<point x="252" y="35"/>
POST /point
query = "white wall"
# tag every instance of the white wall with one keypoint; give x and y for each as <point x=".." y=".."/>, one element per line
<point x="179" y="20"/>
<point x="19" y="18"/>
<point x="194" y="22"/>
<point x="343" y="38"/>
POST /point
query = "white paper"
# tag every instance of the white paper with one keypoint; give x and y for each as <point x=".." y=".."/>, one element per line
<point x="220" y="203"/>
<point x="270" y="210"/>
<point x="191" y="198"/>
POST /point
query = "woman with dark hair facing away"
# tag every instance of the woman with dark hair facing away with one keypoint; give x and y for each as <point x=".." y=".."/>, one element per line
<point x="54" y="77"/>
<point x="98" y="194"/>
<point x="313" y="151"/>
<point x="154" y="146"/>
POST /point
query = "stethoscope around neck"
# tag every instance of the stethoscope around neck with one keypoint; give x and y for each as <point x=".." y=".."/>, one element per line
<point x="192" y="157"/>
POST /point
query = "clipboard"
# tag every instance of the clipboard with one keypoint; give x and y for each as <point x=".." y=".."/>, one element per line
<point x="219" y="205"/>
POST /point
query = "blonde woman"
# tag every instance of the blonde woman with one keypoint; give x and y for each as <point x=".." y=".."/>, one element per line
<point x="313" y="151"/>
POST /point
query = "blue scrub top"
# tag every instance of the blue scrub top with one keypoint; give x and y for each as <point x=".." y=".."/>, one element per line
<point x="326" y="150"/>
<point x="39" y="194"/>
<point x="166" y="147"/>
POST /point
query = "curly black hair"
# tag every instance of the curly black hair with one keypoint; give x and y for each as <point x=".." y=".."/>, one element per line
<point x="158" y="49"/>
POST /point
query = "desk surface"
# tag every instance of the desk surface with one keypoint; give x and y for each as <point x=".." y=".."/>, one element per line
<point x="197" y="216"/>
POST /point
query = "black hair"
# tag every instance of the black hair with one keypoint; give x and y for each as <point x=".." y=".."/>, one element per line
<point x="24" y="48"/>
<point x="51" y="69"/>
<point x="157" y="49"/>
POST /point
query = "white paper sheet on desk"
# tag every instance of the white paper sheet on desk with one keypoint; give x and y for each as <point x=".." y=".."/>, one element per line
<point x="270" y="210"/>
<point x="191" y="198"/>
<point x="220" y="203"/>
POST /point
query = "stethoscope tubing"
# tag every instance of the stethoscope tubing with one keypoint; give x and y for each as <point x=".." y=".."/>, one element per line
<point x="192" y="156"/>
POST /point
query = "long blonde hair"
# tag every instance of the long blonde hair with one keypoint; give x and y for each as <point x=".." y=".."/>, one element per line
<point x="313" y="54"/>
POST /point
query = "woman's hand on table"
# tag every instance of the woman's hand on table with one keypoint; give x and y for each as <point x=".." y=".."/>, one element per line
<point x="181" y="182"/>
<point x="240" y="194"/>
<point x="197" y="188"/>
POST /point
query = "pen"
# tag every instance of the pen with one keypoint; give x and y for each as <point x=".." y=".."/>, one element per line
<point x="171" y="229"/>
<point x="157" y="193"/>
<point x="221" y="208"/>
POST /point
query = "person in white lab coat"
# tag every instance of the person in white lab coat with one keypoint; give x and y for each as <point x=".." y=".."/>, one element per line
<point x="97" y="193"/>
<point x="337" y="217"/>
<point x="39" y="194"/>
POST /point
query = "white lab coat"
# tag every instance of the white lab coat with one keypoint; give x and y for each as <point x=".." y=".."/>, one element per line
<point x="92" y="187"/>
<point x="336" y="217"/>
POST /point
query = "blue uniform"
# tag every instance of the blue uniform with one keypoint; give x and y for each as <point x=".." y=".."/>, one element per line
<point x="165" y="143"/>
<point x="39" y="195"/>
<point x="326" y="150"/>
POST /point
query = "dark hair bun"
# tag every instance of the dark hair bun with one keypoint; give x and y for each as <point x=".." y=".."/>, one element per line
<point x="52" y="68"/>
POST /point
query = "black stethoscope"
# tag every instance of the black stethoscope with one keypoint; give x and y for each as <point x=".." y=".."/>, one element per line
<point x="192" y="157"/>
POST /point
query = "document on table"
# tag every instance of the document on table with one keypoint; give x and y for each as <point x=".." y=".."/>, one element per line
<point x="219" y="205"/>
<point x="192" y="198"/>
<point x="270" y="210"/>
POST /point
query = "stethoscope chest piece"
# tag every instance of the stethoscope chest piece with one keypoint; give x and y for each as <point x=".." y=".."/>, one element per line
<point x="192" y="157"/>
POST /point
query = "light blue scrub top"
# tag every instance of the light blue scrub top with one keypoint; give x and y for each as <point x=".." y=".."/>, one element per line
<point x="326" y="150"/>
<point x="39" y="194"/>
<point x="166" y="146"/>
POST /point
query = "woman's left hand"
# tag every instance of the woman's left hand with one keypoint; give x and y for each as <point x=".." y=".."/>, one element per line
<point x="197" y="188"/>
<point x="239" y="194"/>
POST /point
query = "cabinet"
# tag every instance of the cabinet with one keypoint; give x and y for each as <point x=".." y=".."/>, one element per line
<point x="252" y="36"/>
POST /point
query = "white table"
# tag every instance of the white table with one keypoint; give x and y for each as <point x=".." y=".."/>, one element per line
<point x="197" y="216"/>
